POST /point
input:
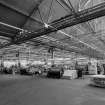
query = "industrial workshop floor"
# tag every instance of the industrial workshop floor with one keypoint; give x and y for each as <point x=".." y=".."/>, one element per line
<point x="37" y="91"/>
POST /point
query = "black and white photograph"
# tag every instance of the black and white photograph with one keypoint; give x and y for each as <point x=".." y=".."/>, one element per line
<point x="52" y="52"/>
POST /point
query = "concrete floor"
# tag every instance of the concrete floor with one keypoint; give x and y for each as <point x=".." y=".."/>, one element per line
<point x="32" y="91"/>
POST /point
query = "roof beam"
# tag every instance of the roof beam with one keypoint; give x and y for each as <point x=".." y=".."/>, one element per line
<point x="18" y="11"/>
<point x="5" y="34"/>
<point x="82" y="4"/>
<point x="33" y="10"/>
<point x="67" y="21"/>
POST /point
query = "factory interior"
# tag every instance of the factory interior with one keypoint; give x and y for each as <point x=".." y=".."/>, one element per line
<point x="52" y="52"/>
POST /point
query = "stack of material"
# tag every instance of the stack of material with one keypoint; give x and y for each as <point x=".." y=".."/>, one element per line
<point x="54" y="74"/>
<point x="70" y="74"/>
<point x="98" y="80"/>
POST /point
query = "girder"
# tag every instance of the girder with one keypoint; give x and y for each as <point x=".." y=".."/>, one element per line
<point x="33" y="10"/>
<point x="67" y="21"/>
<point x="18" y="12"/>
